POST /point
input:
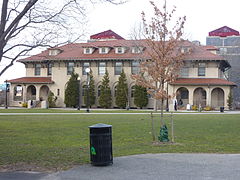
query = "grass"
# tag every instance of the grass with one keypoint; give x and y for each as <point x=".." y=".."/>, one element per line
<point x="57" y="142"/>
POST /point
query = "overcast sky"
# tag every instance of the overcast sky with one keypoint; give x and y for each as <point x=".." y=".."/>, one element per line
<point x="202" y="16"/>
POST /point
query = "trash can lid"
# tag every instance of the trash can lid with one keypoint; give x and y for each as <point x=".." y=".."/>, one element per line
<point x="100" y="125"/>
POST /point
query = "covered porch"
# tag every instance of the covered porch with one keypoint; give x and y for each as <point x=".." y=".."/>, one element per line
<point x="29" y="88"/>
<point x="202" y="92"/>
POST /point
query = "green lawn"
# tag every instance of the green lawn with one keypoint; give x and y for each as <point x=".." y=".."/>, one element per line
<point x="62" y="141"/>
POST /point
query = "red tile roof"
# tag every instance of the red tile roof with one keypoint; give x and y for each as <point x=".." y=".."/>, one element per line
<point x="34" y="80"/>
<point x="109" y="34"/>
<point x="74" y="51"/>
<point x="203" y="81"/>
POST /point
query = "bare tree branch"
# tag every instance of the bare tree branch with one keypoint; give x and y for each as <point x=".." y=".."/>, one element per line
<point x="28" y="24"/>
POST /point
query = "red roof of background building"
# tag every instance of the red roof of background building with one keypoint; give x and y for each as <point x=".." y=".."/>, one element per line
<point x="109" y="34"/>
<point x="36" y="80"/>
<point x="203" y="81"/>
<point x="224" y="32"/>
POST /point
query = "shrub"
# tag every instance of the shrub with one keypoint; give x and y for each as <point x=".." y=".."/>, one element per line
<point x="122" y="91"/>
<point x="72" y="91"/>
<point x="105" y="98"/>
<point x="25" y="105"/>
<point x="52" y="100"/>
<point x="207" y="108"/>
<point x="194" y="107"/>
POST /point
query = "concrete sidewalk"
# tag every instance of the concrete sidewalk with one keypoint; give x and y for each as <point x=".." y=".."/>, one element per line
<point x="150" y="167"/>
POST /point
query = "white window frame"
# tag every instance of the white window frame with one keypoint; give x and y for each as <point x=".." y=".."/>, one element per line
<point x="119" y="50"/>
<point x="70" y="67"/>
<point x="201" y="69"/>
<point x="101" y="68"/>
<point x="118" y="65"/>
<point x="136" y="49"/>
<point x="103" y="50"/>
<point x="88" y="50"/>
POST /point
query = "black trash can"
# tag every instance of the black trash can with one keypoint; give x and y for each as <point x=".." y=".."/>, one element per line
<point x="221" y="109"/>
<point x="101" y="144"/>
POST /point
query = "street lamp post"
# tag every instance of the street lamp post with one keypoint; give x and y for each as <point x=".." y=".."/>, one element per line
<point x="87" y="70"/>
<point x="79" y="97"/>
<point x="167" y="105"/>
<point x="6" y="98"/>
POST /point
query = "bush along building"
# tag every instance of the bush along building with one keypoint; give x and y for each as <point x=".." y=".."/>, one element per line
<point x="227" y="41"/>
<point x="201" y="81"/>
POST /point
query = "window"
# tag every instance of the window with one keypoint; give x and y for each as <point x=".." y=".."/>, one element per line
<point x="184" y="72"/>
<point x="88" y="51"/>
<point x="132" y="91"/>
<point x="37" y="70"/>
<point x="136" y="49"/>
<point x="201" y="69"/>
<point x="58" y="92"/>
<point x="54" y="52"/>
<point x="84" y="90"/>
<point x="135" y="67"/>
<point x="85" y="66"/>
<point x="49" y="69"/>
<point x="70" y="68"/>
<point x="103" y="50"/>
<point x="101" y="68"/>
<point x="118" y="68"/>
<point x="119" y="50"/>
<point x="223" y="50"/>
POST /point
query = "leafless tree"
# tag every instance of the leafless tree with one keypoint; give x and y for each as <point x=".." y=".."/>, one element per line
<point x="164" y="55"/>
<point x="28" y="24"/>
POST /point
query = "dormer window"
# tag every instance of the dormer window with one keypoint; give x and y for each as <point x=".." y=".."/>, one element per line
<point x="119" y="50"/>
<point x="186" y="49"/>
<point x="54" y="52"/>
<point x="88" y="50"/>
<point x="137" y="49"/>
<point x="103" y="50"/>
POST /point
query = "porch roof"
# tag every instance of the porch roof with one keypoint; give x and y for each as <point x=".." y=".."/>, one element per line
<point x="203" y="81"/>
<point x="32" y="80"/>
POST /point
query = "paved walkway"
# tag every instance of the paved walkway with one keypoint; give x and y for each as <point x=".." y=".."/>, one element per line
<point x="149" y="167"/>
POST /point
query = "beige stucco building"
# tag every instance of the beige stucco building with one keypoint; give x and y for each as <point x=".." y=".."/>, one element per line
<point x="202" y="80"/>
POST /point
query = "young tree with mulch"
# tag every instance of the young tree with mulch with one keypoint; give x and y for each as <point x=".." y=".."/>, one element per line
<point x="164" y="57"/>
<point x="105" y="98"/>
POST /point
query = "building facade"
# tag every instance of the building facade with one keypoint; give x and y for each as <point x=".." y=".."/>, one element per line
<point x="227" y="40"/>
<point x="201" y="81"/>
